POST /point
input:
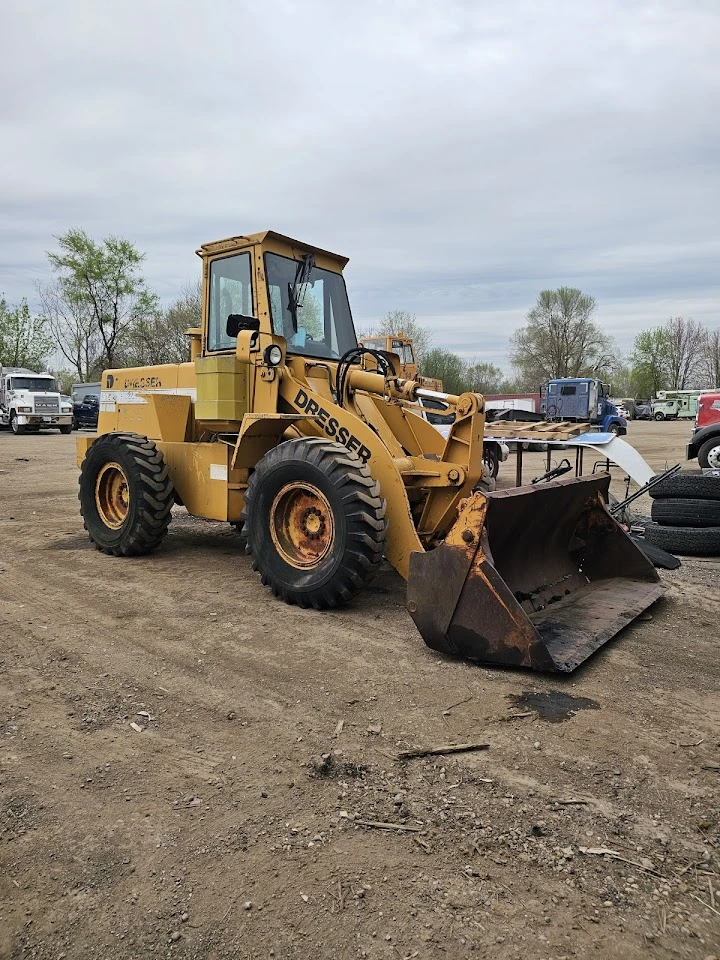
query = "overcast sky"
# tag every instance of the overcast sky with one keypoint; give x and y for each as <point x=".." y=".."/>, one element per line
<point x="464" y="155"/>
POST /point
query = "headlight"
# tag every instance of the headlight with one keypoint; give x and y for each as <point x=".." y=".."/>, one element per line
<point x="24" y="409"/>
<point x="272" y="355"/>
<point x="67" y="409"/>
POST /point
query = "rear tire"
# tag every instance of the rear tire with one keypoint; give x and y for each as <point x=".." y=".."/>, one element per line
<point x="314" y="522"/>
<point x="126" y="494"/>
<point x="689" y="541"/>
<point x="709" y="454"/>
<point x="66" y="429"/>
<point x="676" y="512"/>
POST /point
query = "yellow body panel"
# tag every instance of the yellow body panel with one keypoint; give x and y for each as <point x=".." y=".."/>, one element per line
<point x="223" y="392"/>
<point x="203" y="479"/>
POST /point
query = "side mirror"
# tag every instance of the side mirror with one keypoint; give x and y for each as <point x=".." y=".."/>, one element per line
<point x="237" y="322"/>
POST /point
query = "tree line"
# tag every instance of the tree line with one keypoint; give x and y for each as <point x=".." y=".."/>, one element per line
<point x="560" y="338"/>
<point x="97" y="312"/>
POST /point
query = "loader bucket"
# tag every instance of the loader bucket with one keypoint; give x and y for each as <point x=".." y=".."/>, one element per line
<point x="537" y="577"/>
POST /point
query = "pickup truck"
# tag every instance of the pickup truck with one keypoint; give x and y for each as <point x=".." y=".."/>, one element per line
<point x="705" y="442"/>
<point x="85" y="412"/>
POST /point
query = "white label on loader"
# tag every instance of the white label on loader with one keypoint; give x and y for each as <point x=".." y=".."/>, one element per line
<point x="110" y="398"/>
<point x="218" y="471"/>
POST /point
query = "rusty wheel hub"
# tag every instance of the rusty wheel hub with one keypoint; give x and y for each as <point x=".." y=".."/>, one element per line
<point x="112" y="495"/>
<point x="302" y="525"/>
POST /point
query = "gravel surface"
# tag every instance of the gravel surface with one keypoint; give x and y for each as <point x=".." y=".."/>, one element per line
<point x="191" y="769"/>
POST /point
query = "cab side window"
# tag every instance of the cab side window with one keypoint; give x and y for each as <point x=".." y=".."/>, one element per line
<point x="230" y="292"/>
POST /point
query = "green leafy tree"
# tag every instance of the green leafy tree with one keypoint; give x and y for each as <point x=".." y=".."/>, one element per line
<point x="100" y="285"/>
<point x="446" y="366"/>
<point x="560" y="339"/>
<point x="483" y="377"/>
<point x="25" y="339"/>
<point x="650" y="369"/>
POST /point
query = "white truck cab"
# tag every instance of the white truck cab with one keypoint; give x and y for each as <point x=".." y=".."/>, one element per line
<point x="32" y="401"/>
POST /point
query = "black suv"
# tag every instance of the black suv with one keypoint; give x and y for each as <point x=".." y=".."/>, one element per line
<point x="85" y="412"/>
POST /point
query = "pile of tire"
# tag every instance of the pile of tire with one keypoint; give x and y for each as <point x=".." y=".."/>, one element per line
<point x="686" y="515"/>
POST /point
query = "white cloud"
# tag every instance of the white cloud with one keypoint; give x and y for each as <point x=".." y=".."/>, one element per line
<point x="463" y="155"/>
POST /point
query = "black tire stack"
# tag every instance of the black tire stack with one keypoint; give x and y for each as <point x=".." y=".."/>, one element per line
<point x="686" y="515"/>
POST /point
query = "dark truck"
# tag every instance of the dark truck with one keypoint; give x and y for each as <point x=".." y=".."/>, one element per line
<point x="705" y="441"/>
<point x="85" y="412"/>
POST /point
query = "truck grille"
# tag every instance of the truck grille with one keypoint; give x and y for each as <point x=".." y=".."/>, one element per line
<point x="46" y="407"/>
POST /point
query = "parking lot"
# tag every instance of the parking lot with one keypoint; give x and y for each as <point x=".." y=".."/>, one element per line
<point x="165" y="784"/>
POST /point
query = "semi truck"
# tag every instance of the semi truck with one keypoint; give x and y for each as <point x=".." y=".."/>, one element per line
<point x="31" y="401"/>
<point x="582" y="400"/>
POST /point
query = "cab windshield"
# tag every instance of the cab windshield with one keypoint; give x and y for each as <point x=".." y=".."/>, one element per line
<point x="36" y="384"/>
<point x="320" y="303"/>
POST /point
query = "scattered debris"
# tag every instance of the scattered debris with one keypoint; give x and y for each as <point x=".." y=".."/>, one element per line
<point x="644" y="864"/>
<point x="145" y="714"/>
<point x="339" y="727"/>
<point x="699" y="900"/>
<point x="374" y="728"/>
<point x="382" y="825"/>
<point x="136" y="727"/>
<point x="440" y="750"/>
<point x="446" y="711"/>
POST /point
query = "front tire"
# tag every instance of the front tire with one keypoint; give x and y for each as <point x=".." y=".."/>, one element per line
<point x="66" y="429"/>
<point x="659" y="416"/>
<point x="314" y="522"/>
<point x="491" y="460"/>
<point x="709" y="454"/>
<point x="17" y="428"/>
<point x="126" y="494"/>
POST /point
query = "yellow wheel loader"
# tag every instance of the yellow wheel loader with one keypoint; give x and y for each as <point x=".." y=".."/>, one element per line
<point x="281" y="423"/>
<point x="402" y="347"/>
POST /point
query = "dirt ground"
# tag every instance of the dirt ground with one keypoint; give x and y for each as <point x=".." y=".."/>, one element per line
<point x="162" y="790"/>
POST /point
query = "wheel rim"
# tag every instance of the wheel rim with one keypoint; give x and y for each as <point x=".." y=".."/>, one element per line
<point x="302" y="525"/>
<point x="714" y="457"/>
<point x="112" y="495"/>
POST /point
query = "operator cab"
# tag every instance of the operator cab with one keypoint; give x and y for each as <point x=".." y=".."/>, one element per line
<point x="275" y="285"/>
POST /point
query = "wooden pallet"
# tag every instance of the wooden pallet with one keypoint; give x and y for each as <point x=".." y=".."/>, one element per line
<point x="518" y="429"/>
